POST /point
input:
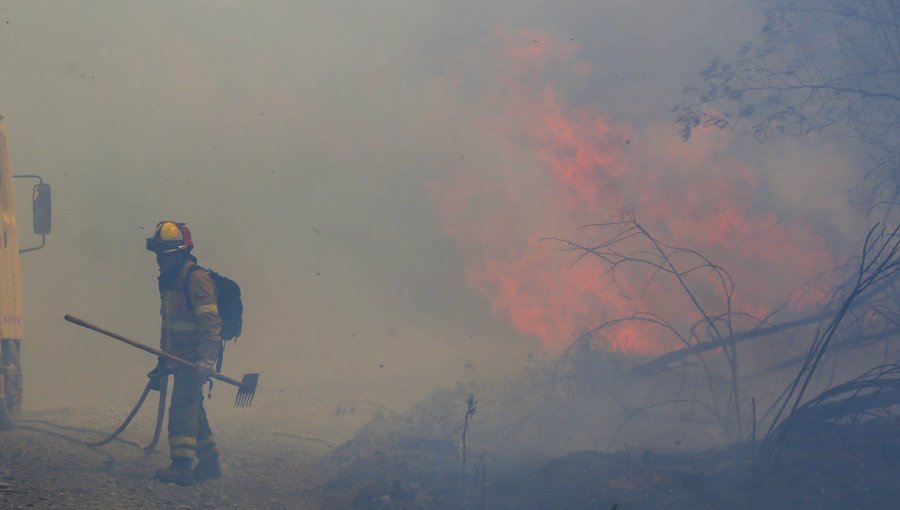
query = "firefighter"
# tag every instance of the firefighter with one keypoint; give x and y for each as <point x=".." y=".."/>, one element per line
<point x="190" y="330"/>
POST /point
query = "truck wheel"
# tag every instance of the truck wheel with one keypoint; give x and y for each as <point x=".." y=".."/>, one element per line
<point x="7" y="411"/>
<point x="11" y="385"/>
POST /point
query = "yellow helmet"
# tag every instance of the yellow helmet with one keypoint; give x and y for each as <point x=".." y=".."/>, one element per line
<point x="170" y="237"/>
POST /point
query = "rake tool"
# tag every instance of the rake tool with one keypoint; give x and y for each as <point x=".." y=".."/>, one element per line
<point x="246" y="386"/>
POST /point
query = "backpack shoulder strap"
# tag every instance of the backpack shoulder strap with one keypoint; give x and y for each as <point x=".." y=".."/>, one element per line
<point x="187" y="295"/>
<point x="187" y="281"/>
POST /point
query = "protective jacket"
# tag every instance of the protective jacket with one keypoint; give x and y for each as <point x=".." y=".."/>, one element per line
<point x="190" y="330"/>
<point x="190" y="319"/>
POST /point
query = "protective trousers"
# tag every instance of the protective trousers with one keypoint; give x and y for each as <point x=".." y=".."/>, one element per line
<point x="189" y="432"/>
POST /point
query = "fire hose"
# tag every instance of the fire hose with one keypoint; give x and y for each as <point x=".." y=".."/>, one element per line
<point x="160" y="415"/>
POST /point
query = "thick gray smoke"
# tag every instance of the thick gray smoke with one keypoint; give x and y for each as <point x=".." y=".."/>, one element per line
<point x="299" y="140"/>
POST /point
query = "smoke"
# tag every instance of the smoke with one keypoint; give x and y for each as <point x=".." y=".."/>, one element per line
<point x="378" y="176"/>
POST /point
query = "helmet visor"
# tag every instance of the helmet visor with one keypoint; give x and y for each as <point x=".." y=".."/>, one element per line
<point x="157" y="245"/>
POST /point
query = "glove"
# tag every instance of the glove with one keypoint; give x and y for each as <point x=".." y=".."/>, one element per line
<point x="205" y="369"/>
<point x="159" y="373"/>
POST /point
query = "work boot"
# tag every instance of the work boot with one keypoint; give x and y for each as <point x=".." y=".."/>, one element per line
<point x="208" y="469"/>
<point x="179" y="472"/>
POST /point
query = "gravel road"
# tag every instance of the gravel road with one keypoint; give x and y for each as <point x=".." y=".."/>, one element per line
<point x="272" y="455"/>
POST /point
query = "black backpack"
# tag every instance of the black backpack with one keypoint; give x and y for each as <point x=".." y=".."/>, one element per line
<point x="228" y="300"/>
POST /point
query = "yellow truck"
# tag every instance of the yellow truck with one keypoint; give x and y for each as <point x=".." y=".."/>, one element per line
<point x="11" y="327"/>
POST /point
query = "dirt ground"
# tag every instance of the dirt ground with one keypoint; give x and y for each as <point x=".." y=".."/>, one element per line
<point x="285" y="453"/>
<point x="270" y="452"/>
<point x="45" y="470"/>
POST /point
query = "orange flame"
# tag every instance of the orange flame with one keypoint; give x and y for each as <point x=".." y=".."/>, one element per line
<point x="563" y="166"/>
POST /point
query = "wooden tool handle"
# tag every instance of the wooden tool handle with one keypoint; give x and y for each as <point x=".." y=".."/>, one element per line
<point x="147" y="348"/>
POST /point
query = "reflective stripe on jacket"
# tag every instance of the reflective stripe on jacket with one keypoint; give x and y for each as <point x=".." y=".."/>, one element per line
<point x="190" y="328"/>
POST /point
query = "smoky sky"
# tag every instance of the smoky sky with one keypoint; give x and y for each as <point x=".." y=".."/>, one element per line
<point x="301" y="142"/>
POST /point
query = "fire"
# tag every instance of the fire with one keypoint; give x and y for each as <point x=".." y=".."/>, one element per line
<point x="557" y="167"/>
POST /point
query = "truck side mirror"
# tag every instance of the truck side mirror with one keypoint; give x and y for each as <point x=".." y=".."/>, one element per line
<point x="40" y="206"/>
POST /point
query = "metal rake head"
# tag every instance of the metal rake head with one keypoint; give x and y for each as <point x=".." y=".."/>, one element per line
<point x="246" y="390"/>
